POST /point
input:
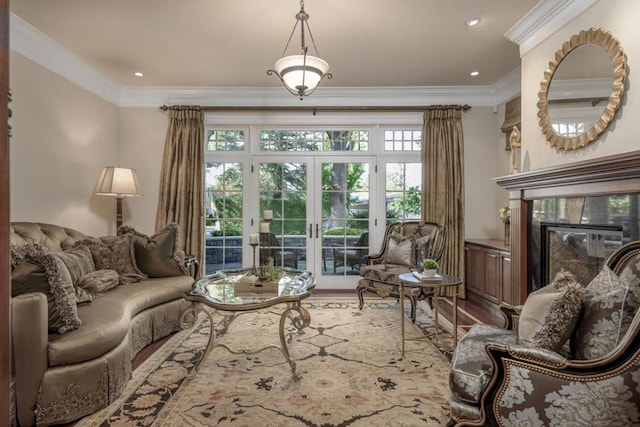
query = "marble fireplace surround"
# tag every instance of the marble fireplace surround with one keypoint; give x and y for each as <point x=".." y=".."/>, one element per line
<point x="605" y="176"/>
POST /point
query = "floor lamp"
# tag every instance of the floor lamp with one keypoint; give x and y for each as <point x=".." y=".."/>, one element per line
<point x="119" y="183"/>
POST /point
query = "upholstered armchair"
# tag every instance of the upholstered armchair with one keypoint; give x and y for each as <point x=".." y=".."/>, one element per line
<point x="354" y="256"/>
<point x="270" y="247"/>
<point x="404" y="245"/>
<point x="507" y="377"/>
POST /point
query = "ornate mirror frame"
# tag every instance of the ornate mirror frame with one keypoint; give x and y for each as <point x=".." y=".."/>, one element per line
<point x="612" y="47"/>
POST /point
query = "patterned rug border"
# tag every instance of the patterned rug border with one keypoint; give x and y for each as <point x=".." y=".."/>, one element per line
<point x="167" y="351"/>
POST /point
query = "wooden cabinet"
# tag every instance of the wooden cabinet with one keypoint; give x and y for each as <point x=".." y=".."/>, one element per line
<point x="488" y="271"/>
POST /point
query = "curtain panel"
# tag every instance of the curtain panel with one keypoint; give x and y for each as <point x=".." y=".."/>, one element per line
<point x="443" y="183"/>
<point x="182" y="178"/>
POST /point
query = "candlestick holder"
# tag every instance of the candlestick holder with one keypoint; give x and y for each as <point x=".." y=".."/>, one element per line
<point x="254" y="269"/>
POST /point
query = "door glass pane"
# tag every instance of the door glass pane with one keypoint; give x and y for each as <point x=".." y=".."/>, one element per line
<point x="345" y="217"/>
<point x="403" y="191"/>
<point x="223" y="216"/>
<point x="283" y="190"/>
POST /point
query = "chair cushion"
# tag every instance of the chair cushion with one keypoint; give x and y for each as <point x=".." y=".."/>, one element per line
<point x="106" y="321"/>
<point x="550" y="314"/>
<point x="471" y="367"/>
<point x="387" y="273"/>
<point x="608" y="309"/>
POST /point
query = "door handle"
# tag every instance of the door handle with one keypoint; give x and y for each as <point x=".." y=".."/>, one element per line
<point x="317" y="230"/>
<point x="310" y="231"/>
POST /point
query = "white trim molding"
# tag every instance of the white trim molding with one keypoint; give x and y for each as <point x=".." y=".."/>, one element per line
<point x="543" y="20"/>
<point x="31" y="43"/>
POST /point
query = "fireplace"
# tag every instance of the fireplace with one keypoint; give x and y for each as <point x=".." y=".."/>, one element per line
<point x="588" y="208"/>
<point x="580" y="249"/>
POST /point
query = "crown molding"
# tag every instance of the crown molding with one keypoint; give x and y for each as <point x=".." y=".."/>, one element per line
<point x="324" y="96"/>
<point x="38" y="47"/>
<point x="508" y="87"/>
<point x="547" y="17"/>
<point x="31" y="43"/>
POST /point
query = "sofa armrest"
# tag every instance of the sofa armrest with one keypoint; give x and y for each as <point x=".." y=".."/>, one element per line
<point x="29" y="331"/>
<point x="511" y="315"/>
<point x="191" y="262"/>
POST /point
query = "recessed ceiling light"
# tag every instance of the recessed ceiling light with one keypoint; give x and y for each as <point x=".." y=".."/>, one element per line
<point x="138" y="74"/>
<point x="473" y="21"/>
<point x="474" y="73"/>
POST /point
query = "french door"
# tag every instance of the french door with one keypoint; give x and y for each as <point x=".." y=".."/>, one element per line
<point x="321" y="213"/>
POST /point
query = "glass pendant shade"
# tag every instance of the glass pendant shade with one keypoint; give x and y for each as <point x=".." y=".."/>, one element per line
<point x="301" y="76"/>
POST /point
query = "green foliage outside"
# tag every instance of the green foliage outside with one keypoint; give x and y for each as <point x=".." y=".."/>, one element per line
<point x="283" y="188"/>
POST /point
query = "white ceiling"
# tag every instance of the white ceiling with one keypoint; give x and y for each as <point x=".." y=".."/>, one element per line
<point x="231" y="43"/>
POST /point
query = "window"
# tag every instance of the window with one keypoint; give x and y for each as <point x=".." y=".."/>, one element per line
<point x="327" y="186"/>
<point x="223" y="215"/>
<point x="314" y="140"/>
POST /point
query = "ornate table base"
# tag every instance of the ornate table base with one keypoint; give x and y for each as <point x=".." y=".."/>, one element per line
<point x="297" y="315"/>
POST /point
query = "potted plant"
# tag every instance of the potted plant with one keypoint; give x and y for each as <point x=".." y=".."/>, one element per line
<point x="430" y="267"/>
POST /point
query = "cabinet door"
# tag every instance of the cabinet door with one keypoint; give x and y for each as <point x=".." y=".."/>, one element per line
<point x="474" y="274"/>
<point x="492" y="276"/>
<point x="507" y="291"/>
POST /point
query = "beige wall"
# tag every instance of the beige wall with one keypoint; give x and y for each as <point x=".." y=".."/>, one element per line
<point x="485" y="159"/>
<point x="142" y="134"/>
<point x="62" y="137"/>
<point x="618" y="17"/>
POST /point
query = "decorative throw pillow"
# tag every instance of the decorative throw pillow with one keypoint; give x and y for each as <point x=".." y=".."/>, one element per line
<point x="40" y="271"/>
<point x="550" y="314"/>
<point x="401" y="251"/>
<point x="157" y="255"/>
<point x="99" y="281"/>
<point x="118" y="255"/>
<point x="608" y="309"/>
<point x="79" y="262"/>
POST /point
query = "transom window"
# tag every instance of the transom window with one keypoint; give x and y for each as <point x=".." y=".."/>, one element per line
<point x="314" y="140"/>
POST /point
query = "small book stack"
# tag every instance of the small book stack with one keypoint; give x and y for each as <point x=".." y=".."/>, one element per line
<point x="428" y="279"/>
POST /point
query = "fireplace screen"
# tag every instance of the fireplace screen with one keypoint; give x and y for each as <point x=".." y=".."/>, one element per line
<point x="580" y="249"/>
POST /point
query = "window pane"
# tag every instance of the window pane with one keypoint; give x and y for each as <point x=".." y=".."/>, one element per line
<point x="223" y="216"/>
<point x="403" y="140"/>
<point x="314" y="140"/>
<point x="225" y="140"/>
<point x="403" y="194"/>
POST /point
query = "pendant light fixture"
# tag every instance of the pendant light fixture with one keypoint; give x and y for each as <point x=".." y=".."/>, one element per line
<point x="301" y="74"/>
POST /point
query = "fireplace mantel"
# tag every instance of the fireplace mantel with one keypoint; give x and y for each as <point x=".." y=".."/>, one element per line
<point x="609" y="175"/>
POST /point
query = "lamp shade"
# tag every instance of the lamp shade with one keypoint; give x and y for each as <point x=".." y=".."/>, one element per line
<point x="301" y="73"/>
<point x="118" y="182"/>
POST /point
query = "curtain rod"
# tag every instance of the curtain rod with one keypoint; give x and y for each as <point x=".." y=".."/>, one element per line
<point x="314" y="110"/>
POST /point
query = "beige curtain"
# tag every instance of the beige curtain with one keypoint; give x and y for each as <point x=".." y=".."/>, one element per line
<point x="443" y="182"/>
<point x="182" y="178"/>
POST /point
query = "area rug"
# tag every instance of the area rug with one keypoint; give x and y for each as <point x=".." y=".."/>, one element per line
<point x="350" y="363"/>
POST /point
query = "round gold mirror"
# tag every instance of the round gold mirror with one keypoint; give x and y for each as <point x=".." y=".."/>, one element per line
<point x="582" y="89"/>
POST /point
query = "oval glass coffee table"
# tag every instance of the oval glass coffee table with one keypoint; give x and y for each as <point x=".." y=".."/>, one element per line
<point x="441" y="281"/>
<point x="236" y="291"/>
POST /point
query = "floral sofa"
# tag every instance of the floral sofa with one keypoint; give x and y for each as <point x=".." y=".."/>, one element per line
<point x="82" y="307"/>
<point x="569" y="356"/>
<point x="404" y="245"/>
